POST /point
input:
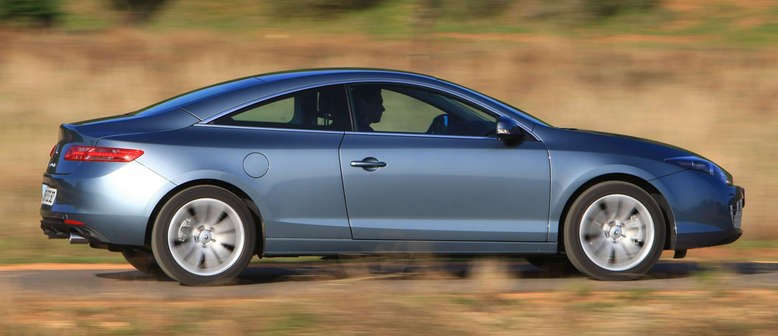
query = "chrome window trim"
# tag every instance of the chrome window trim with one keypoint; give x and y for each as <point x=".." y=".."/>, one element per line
<point x="269" y="128"/>
<point x="366" y="81"/>
<point x="444" y="136"/>
<point x="350" y="132"/>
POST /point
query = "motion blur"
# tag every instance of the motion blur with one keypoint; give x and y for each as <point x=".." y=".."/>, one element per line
<point x="699" y="74"/>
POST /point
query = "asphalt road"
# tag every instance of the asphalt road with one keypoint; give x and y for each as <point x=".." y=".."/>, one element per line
<point x="283" y="280"/>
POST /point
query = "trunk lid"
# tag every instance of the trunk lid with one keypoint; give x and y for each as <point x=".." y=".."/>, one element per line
<point x="88" y="132"/>
<point x="68" y="135"/>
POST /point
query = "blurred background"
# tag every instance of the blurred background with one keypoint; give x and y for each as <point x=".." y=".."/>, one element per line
<point x="699" y="74"/>
<point x="702" y="75"/>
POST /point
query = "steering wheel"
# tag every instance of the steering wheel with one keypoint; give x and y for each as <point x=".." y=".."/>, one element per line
<point x="439" y="125"/>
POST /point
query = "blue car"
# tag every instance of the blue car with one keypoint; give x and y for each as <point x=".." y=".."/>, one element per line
<point x="367" y="161"/>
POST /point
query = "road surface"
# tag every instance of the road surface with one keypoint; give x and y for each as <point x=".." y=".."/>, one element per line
<point x="267" y="280"/>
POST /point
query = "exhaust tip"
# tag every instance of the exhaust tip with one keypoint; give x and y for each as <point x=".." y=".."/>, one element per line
<point x="76" y="239"/>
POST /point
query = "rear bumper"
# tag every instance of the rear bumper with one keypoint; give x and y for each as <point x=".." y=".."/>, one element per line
<point x="113" y="201"/>
<point x="56" y="228"/>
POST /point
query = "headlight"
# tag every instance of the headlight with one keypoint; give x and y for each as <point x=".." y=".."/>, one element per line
<point x="705" y="166"/>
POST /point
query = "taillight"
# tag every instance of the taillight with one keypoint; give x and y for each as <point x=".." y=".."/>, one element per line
<point x="89" y="153"/>
<point x="52" y="151"/>
<point x="73" y="222"/>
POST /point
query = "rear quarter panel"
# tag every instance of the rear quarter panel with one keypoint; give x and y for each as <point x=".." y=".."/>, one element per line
<point x="300" y="196"/>
<point x="113" y="199"/>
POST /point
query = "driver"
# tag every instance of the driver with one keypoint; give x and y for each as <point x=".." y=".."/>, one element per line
<point x="369" y="106"/>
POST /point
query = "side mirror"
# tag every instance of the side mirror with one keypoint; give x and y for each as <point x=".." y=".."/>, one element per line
<point x="509" y="131"/>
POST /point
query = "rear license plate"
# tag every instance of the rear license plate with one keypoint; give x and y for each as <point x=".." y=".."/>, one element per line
<point x="48" y="194"/>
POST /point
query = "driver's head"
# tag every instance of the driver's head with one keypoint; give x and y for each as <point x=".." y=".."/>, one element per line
<point x="369" y="104"/>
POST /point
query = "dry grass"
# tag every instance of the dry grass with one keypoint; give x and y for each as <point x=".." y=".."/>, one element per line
<point x="366" y="311"/>
<point x="719" y="103"/>
<point x="492" y="299"/>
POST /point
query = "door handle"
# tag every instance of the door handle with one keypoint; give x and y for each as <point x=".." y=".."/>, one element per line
<point x="368" y="163"/>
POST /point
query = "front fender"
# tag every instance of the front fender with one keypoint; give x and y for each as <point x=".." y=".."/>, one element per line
<point x="569" y="177"/>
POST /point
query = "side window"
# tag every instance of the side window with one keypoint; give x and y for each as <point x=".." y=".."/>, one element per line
<point x="405" y="109"/>
<point x="321" y="109"/>
<point x="280" y="111"/>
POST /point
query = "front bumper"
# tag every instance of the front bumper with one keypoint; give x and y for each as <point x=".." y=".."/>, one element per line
<point x="705" y="212"/>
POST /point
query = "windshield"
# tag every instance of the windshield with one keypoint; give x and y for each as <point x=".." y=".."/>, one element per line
<point x="505" y="105"/>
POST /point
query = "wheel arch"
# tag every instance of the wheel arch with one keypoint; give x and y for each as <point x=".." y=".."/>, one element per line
<point x="255" y="213"/>
<point x="664" y="206"/>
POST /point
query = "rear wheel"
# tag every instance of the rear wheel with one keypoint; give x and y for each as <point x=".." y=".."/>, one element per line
<point x="204" y="235"/>
<point x="614" y="231"/>
<point x="143" y="261"/>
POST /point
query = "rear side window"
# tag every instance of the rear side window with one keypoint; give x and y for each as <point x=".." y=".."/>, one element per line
<point x="278" y="112"/>
<point x="318" y="109"/>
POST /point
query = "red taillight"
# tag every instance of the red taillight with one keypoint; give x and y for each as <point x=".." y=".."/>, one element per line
<point x="52" y="151"/>
<point x="89" y="153"/>
<point x="73" y="222"/>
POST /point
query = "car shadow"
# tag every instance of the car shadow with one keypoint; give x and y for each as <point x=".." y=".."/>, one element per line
<point x="269" y="273"/>
<point x="680" y="269"/>
<point x="133" y="276"/>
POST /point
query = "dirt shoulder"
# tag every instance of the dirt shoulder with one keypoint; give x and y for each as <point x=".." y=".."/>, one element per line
<point x="63" y="267"/>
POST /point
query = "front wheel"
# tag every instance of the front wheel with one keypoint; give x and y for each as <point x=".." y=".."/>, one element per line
<point x="614" y="231"/>
<point x="204" y="235"/>
<point x="553" y="264"/>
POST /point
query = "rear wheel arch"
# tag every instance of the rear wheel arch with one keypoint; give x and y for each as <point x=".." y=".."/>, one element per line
<point x="255" y="213"/>
<point x="667" y="211"/>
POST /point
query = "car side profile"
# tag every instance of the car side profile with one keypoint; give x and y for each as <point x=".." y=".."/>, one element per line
<point x="368" y="161"/>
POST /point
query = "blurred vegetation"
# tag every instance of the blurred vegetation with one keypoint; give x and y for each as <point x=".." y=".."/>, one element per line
<point x="140" y="11"/>
<point x="637" y="67"/>
<point x="318" y="8"/>
<point x="137" y="11"/>
<point x="721" y="22"/>
<point x="363" y="308"/>
<point x="30" y="12"/>
<point x="607" y="8"/>
<point x="134" y="12"/>
<point x="465" y="10"/>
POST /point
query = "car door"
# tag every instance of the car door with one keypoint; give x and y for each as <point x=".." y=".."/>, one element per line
<point x="293" y="166"/>
<point x="422" y="165"/>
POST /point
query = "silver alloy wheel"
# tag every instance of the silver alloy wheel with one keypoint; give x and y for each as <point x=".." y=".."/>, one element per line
<point x="616" y="232"/>
<point x="206" y="236"/>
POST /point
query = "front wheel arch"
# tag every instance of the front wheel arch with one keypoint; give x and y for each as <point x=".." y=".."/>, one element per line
<point x="667" y="211"/>
<point x="255" y="213"/>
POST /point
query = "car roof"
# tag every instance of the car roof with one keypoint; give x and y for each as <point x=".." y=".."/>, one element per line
<point x="214" y="100"/>
<point x="344" y="73"/>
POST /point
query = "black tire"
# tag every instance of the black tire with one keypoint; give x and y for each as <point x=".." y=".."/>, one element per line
<point x="593" y="199"/>
<point x="143" y="261"/>
<point x="168" y="255"/>
<point x="553" y="264"/>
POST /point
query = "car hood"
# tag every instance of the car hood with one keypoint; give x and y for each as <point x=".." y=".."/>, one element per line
<point x="677" y="151"/>
<point x="619" y="143"/>
<point x="670" y="150"/>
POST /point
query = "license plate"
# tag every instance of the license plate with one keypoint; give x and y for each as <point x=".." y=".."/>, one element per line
<point x="48" y="194"/>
